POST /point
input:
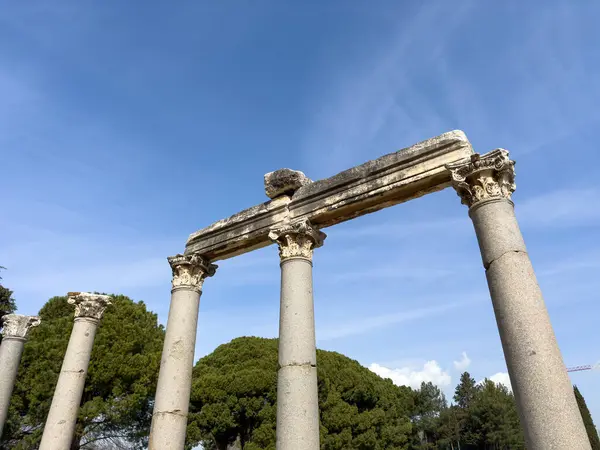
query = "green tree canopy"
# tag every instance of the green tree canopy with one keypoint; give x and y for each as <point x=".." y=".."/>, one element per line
<point x="494" y="417"/>
<point x="587" y="420"/>
<point x="234" y="399"/>
<point x="430" y="403"/>
<point x="7" y="302"/>
<point x="483" y="417"/>
<point x="465" y="391"/>
<point x="119" y="390"/>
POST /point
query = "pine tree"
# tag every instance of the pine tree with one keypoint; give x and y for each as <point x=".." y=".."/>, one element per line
<point x="587" y="420"/>
<point x="494" y="416"/>
<point x="430" y="403"/>
<point x="467" y="434"/>
<point x="465" y="391"/>
<point x="234" y="398"/>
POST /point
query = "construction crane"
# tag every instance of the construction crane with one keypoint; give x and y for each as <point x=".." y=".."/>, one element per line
<point x="582" y="368"/>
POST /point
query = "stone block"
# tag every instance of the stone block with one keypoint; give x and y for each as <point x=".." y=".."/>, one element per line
<point x="284" y="182"/>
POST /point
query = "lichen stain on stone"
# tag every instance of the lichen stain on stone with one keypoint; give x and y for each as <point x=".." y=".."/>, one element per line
<point x="176" y="350"/>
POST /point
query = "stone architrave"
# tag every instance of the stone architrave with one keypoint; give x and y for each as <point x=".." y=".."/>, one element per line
<point x="543" y="391"/>
<point x="297" y="391"/>
<point x="392" y="179"/>
<point x="15" y="328"/>
<point x="169" y="419"/>
<point x="62" y="418"/>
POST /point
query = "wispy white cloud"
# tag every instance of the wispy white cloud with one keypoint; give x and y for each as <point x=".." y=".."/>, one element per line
<point x="547" y="89"/>
<point x="414" y="376"/>
<point x="43" y="263"/>
<point x="570" y="265"/>
<point x="394" y="270"/>
<point x="365" y="324"/>
<point x="363" y="104"/>
<point x="110" y="276"/>
<point x="405" y="230"/>
<point x="554" y="85"/>
<point x="561" y="208"/>
<point x="463" y="363"/>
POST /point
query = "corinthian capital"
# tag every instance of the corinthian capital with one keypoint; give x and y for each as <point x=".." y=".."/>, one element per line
<point x="484" y="177"/>
<point x="190" y="271"/>
<point x="17" y="326"/>
<point x="88" y="305"/>
<point x="297" y="240"/>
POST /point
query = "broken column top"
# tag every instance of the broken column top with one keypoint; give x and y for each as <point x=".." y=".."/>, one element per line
<point x="17" y="326"/>
<point x="89" y="305"/>
<point x="284" y="182"/>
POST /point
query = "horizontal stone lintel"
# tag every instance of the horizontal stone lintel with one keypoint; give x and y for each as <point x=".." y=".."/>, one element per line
<point x="395" y="178"/>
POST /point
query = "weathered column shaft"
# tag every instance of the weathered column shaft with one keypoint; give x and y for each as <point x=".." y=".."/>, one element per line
<point x="297" y="389"/>
<point x="14" y="333"/>
<point x="62" y="418"/>
<point x="169" y="419"/>
<point x="543" y="391"/>
<point x="10" y="357"/>
<point x="60" y="425"/>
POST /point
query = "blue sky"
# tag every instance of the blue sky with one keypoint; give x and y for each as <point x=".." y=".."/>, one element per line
<point x="126" y="127"/>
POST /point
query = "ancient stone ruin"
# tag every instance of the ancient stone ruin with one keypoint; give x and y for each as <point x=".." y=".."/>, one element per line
<point x="293" y="218"/>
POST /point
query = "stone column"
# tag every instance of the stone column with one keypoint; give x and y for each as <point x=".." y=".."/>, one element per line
<point x="14" y="335"/>
<point x="297" y="391"/>
<point x="62" y="418"/>
<point x="169" y="419"/>
<point x="543" y="391"/>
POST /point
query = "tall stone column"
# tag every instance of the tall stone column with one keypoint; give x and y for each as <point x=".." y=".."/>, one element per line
<point x="297" y="391"/>
<point x="62" y="418"/>
<point x="15" y="328"/>
<point x="543" y="391"/>
<point x="169" y="419"/>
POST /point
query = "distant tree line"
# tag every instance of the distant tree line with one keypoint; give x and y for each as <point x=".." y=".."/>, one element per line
<point x="234" y="398"/>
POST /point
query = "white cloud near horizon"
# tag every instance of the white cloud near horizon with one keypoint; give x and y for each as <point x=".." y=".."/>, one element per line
<point x="501" y="378"/>
<point x="463" y="363"/>
<point x="413" y="377"/>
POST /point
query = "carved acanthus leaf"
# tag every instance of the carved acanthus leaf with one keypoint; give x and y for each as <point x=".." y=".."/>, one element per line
<point x="89" y="305"/>
<point x="190" y="270"/>
<point x="17" y="326"/>
<point x="297" y="239"/>
<point x="484" y="177"/>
